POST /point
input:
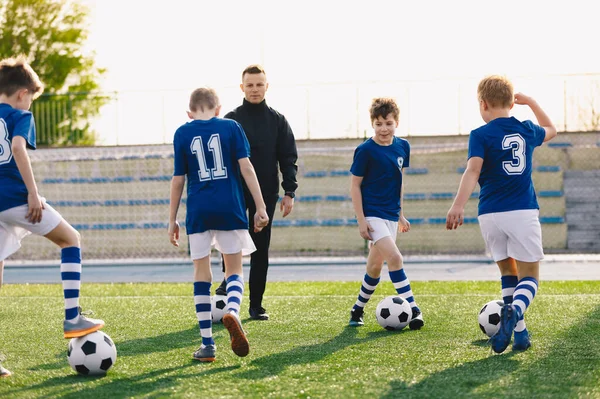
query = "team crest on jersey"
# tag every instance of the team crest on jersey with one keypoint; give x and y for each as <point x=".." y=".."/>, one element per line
<point x="400" y="162"/>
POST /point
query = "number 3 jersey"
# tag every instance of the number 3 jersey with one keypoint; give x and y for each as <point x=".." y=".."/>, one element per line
<point x="207" y="152"/>
<point x="13" y="122"/>
<point x="506" y="146"/>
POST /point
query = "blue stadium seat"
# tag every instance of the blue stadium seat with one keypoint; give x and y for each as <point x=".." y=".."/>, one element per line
<point x="560" y="144"/>
<point x="281" y="223"/>
<point x="461" y="169"/>
<point x="341" y="172"/>
<point x="316" y="173"/>
<point x="338" y="198"/>
<point x="548" y="168"/>
<point x="417" y="220"/>
<point x="310" y="198"/>
<point x="415" y="196"/>
<point x="416" y="171"/>
<point x="550" y="193"/>
<point x="552" y="219"/>
<point x="437" y="196"/>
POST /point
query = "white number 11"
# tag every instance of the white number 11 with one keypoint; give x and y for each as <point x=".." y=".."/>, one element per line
<point x="214" y="145"/>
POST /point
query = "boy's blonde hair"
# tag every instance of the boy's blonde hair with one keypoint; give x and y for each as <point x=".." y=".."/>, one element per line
<point x="383" y="106"/>
<point x="17" y="74"/>
<point x="202" y="98"/>
<point x="496" y="91"/>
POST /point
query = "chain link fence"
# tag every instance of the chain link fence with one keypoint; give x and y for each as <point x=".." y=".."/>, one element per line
<point x="117" y="197"/>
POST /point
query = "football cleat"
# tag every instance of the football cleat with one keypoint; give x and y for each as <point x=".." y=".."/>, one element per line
<point x="522" y="341"/>
<point x="239" y="342"/>
<point x="508" y="321"/>
<point x="356" y="317"/>
<point x="222" y="289"/>
<point x="416" y="322"/>
<point x="3" y="371"/>
<point x="81" y="326"/>
<point x="206" y="353"/>
<point x="258" y="313"/>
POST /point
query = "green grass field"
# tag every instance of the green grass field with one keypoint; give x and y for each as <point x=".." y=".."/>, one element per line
<point x="306" y="350"/>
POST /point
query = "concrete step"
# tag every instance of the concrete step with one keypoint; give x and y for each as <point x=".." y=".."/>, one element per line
<point x="569" y="174"/>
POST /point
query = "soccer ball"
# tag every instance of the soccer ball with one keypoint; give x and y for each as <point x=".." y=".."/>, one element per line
<point x="489" y="317"/>
<point x="393" y="313"/>
<point x="92" y="354"/>
<point x="218" y="308"/>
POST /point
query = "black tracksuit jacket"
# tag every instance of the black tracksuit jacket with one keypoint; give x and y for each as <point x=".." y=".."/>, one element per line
<point x="272" y="143"/>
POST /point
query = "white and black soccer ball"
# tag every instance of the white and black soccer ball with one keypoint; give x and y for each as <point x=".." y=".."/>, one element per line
<point x="218" y="308"/>
<point x="92" y="354"/>
<point x="393" y="313"/>
<point x="489" y="317"/>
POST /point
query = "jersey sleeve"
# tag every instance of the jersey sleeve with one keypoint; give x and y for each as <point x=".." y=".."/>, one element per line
<point x="359" y="163"/>
<point x="25" y="127"/>
<point x="407" y="159"/>
<point x="242" y="147"/>
<point x="539" y="133"/>
<point x="476" y="147"/>
<point x="180" y="158"/>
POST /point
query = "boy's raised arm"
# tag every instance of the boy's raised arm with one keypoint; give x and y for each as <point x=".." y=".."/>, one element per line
<point x="541" y="116"/>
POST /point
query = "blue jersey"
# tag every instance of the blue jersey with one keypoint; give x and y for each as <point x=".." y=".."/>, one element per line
<point x="506" y="146"/>
<point x="381" y="169"/>
<point x="207" y="152"/>
<point x="13" y="122"/>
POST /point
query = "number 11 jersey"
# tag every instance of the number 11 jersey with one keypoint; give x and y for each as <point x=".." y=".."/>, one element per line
<point x="207" y="152"/>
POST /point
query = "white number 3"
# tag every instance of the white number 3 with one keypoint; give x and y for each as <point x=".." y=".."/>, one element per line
<point x="5" y="150"/>
<point x="517" y="143"/>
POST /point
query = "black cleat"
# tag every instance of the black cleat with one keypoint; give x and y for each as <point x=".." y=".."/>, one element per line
<point x="258" y="313"/>
<point x="356" y="317"/>
<point x="222" y="289"/>
<point x="416" y="322"/>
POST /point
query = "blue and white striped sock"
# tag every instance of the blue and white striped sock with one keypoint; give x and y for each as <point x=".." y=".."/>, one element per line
<point x="203" y="311"/>
<point x="366" y="290"/>
<point x="70" y="274"/>
<point x="524" y="294"/>
<point x="402" y="286"/>
<point x="235" y="291"/>
<point x="509" y="284"/>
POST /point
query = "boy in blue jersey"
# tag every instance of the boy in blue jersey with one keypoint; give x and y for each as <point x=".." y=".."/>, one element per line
<point x="214" y="155"/>
<point x="376" y="191"/>
<point x="22" y="209"/>
<point x="500" y="158"/>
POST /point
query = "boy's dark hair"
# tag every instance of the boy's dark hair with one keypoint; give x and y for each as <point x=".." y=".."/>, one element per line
<point x="17" y="74"/>
<point x="383" y="106"/>
<point x="253" y="69"/>
<point x="204" y="97"/>
<point x="496" y="91"/>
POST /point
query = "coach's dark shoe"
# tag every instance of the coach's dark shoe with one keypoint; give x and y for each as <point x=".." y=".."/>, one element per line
<point x="258" y="313"/>
<point x="522" y="341"/>
<point x="222" y="289"/>
<point x="508" y="321"/>
<point x="206" y="353"/>
<point x="416" y="322"/>
<point x="356" y="317"/>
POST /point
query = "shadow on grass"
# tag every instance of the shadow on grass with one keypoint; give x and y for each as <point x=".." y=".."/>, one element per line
<point x="140" y="346"/>
<point x="75" y="386"/>
<point x="570" y="369"/>
<point x="274" y="364"/>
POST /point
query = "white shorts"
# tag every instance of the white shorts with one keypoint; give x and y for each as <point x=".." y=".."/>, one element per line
<point x="14" y="227"/>
<point x="226" y="242"/>
<point x="513" y="234"/>
<point x="382" y="228"/>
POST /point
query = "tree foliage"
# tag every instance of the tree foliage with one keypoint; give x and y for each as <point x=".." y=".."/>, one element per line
<point x="52" y="34"/>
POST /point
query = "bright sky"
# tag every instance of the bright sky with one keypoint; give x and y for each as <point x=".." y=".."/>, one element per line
<point x="177" y="45"/>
